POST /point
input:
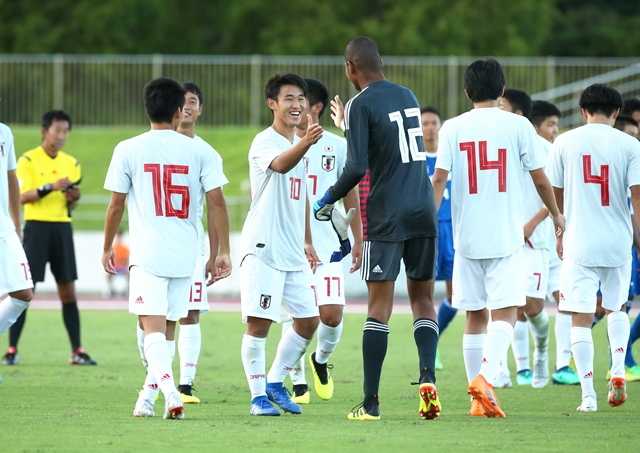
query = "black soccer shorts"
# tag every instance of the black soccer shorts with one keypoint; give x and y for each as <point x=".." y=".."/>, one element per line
<point x="381" y="260"/>
<point x="50" y="242"/>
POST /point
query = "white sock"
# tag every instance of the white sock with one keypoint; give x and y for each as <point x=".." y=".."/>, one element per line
<point x="618" y="328"/>
<point x="158" y="356"/>
<point x="328" y="339"/>
<point x="297" y="371"/>
<point x="253" y="360"/>
<point x="172" y="349"/>
<point x="539" y="326"/>
<point x="472" y="346"/>
<point x="290" y="349"/>
<point x="189" y="343"/>
<point x="563" y="340"/>
<point x="520" y="346"/>
<point x="140" y="334"/>
<point x="582" y="348"/>
<point x="150" y="389"/>
<point x="496" y="346"/>
<point x="10" y="310"/>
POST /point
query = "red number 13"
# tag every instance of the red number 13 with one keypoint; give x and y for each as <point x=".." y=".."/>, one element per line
<point x="485" y="164"/>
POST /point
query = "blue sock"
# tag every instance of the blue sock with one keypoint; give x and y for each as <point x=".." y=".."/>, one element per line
<point x="446" y="313"/>
<point x="635" y="331"/>
<point x="596" y="320"/>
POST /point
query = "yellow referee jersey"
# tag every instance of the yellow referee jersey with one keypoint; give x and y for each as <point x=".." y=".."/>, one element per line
<point x="36" y="168"/>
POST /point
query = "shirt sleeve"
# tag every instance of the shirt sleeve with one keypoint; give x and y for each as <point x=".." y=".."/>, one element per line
<point x="555" y="167"/>
<point x="11" y="150"/>
<point x="357" y="132"/>
<point x="633" y="172"/>
<point x="263" y="152"/>
<point x="211" y="174"/>
<point x="532" y="155"/>
<point x="24" y="174"/>
<point x="118" y="176"/>
<point x="444" y="160"/>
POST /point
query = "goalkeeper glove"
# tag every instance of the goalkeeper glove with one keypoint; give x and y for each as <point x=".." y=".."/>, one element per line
<point x="323" y="207"/>
<point x="340" y="225"/>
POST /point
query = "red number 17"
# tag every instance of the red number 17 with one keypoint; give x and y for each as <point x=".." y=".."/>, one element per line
<point x="485" y="164"/>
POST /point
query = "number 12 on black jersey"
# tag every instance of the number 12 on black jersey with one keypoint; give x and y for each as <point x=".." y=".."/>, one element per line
<point x="414" y="133"/>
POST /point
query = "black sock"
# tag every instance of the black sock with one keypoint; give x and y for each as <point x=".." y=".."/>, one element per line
<point x="71" y="318"/>
<point x="374" y="348"/>
<point x="16" y="330"/>
<point x="426" y="333"/>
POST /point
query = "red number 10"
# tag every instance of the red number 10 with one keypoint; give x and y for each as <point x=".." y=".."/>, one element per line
<point x="485" y="164"/>
<point x="296" y="185"/>
<point x="169" y="189"/>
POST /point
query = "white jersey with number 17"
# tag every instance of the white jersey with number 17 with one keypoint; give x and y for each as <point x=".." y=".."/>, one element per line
<point x="594" y="164"/>
<point x="486" y="150"/>
<point x="162" y="172"/>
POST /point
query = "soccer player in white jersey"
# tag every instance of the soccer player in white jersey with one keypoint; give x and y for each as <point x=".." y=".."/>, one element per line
<point x="590" y="169"/>
<point x="277" y="252"/>
<point x="324" y="163"/>
<point x="161" y="172"/>
<point x="15" y="276"/>
<point x="486" y="150"/>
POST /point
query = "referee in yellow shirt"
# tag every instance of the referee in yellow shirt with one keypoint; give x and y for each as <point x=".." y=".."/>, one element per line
<point x="49" y="191"/>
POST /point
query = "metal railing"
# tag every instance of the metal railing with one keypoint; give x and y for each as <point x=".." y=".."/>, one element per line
<point x="107" y="89"/>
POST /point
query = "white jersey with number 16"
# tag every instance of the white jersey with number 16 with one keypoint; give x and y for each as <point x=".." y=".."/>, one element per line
<point x="162" y="172"/>
<point x="486" y="150"/>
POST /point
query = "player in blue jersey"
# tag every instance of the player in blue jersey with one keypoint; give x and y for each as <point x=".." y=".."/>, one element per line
<point x="431" y="124"/>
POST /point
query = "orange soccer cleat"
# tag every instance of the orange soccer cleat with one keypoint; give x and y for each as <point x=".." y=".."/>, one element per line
<point x="476" y="409"/>
<point x="617" y="391"/>
<point x="482" y="392"/>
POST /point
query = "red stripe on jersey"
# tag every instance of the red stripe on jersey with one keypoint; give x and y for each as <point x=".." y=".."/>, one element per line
<point x="363" y="191"/>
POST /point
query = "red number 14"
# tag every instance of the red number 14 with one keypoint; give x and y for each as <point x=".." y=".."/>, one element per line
<point x="485" y="164"/>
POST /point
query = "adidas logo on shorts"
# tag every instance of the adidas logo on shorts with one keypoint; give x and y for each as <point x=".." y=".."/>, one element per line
<point x="377" y="270"/>
<point x="139" y="300"/>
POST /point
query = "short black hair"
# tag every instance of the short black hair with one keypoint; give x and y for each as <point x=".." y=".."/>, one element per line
<point x="484" y="80"/>
<point x="162" y="97"/>
<point x="599" y="98"/>
<point x="55" y="115"/>
<point x="519" y="100"/>
<point x="630" y="105"/>
<point x="541" y="110"/>
<point x="430" y="109"/>
<point x="362" y="52"/>
<point x="624" y="120"/>
<point x="317" y="92"/>
<point x="272" y="89"/>
<point x="193" y="88"/>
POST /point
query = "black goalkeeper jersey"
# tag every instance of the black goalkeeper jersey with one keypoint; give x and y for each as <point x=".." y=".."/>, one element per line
<point x="384" y="134"/>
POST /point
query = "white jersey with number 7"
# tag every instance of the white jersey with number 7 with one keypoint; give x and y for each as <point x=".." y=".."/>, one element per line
<point x="162" y="172"/>
<point x="486" y="150"/>
<point x="594" y="164"/>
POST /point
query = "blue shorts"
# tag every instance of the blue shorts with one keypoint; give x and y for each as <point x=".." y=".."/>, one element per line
<point x="445" y="251"/>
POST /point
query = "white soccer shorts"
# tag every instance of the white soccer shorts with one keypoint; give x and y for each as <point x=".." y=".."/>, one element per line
<point x="555" y="266"/>
<point x="150" y="295"/>
<point x="536" y="272"/>
<point x="268" y="293"/>
<point x="491" y="283"/>
<point x="198" y="295"/>
<point x="329" y="280"/>
<point x="15" y="274"/>
<point x="579" y="285"/>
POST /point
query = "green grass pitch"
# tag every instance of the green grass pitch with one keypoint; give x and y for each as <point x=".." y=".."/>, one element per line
<point x="50" y="406"/>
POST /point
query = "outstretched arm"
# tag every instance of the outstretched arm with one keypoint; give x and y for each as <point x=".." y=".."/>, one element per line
<point x="290" y="158"/>
<point x="216" y="200"/>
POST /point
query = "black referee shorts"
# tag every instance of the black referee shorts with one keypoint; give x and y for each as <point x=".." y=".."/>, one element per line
<point x="381" y="260"/>
<point x="50" y="242"/>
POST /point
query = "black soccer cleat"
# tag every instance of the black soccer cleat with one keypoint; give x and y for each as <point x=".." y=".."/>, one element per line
<point x="79" y="357"/>
<point x="11" y="357"/>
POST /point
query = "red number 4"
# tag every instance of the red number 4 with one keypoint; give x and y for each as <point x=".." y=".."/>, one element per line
<point x="169" y="190"/>
<point x="603" y="179"/>
<point x="485" y="164"/>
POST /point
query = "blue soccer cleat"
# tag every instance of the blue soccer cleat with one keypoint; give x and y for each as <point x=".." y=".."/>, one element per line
<point x="260" y="405"/>
<point x="279" y="394"/>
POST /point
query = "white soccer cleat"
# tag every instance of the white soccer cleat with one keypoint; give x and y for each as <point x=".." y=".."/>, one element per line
<point x="143" y="409"/>
<point x="588" y="405"/>
<point x="503" y="381"/>
<point x="174" y="408"/>
<point x="540" y="370"/>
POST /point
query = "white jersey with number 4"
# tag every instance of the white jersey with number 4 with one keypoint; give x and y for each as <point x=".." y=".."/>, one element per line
<point x="275" y="226"/>
<point x="325" y="162"/>
<point x="162" y="172"/>
<point x="486" y="150"/>
<point x="532" y="205"/>
<point x="594" y="164"/>
<point x="7" y="163"/>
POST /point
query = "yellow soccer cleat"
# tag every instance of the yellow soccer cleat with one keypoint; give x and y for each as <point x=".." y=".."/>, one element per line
<point x="322" y="378"/>
<point x="186" y="394"/>
<point x="430" y="406"/>
<point x="360" y="413"/>
<point x="301" y="394"/>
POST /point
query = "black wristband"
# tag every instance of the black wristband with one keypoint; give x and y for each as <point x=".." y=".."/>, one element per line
<point x="45" y="190"/>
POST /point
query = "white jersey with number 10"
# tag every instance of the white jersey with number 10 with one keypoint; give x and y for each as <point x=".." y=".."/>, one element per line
<point x="486" y="150"/>
<point x="162" y="172"/>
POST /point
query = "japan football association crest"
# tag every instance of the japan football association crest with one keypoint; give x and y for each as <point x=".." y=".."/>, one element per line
<point x="328" y="162"/>
<point x="265" y="301"/>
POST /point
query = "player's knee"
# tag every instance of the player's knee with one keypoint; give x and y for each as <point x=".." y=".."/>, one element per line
<point x="332" y="320"/>
<point x="24" y="295"/>
<point x="306" y="327"/>
<point x="192" y="318"/>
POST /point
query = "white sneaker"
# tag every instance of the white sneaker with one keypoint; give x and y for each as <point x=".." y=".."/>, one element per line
<point x="503" y="381"/>
<point x="174" y="408"/>
<point x="143" y="409"/>
<point x="540" y="369"/>
<point x="588" y="405"/>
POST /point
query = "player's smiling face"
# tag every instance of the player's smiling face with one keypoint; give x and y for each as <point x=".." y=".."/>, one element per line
<point x="192" y="108"/>
<point x="290" y="105"/>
